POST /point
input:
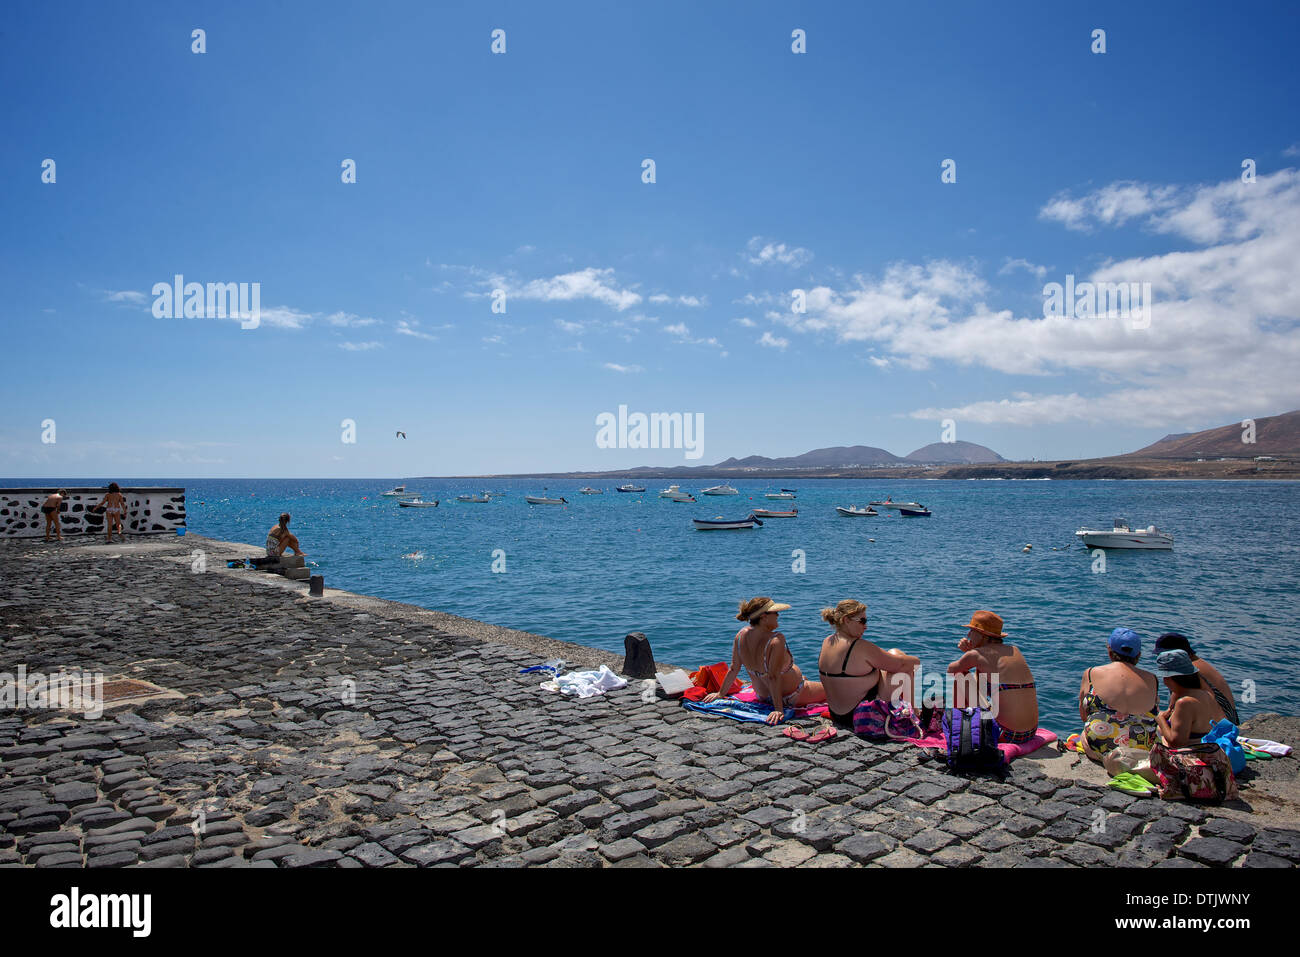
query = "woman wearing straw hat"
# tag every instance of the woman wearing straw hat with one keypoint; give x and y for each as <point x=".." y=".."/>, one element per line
<point x="761" y="649"/>
<point x="984" y="651"/>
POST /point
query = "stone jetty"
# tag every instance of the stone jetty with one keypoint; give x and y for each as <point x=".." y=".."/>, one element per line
<point x="273" y="729"/>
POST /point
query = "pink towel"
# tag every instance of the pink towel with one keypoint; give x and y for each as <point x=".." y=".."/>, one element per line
<point x="747" y="694"/>
<point x="1041" y="737"/>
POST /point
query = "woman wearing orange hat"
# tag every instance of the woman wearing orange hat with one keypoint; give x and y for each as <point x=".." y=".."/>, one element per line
<point x="984" y="651"/>
<point x="761" y="649"/>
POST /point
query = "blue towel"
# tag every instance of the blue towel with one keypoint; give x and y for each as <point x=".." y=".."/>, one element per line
<point x="738" y="710"/>
<point x="1224" y="733"/>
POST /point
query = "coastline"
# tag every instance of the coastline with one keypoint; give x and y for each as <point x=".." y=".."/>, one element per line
<point x="446" y="755"/>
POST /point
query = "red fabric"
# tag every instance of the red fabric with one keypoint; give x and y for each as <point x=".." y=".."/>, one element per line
<point x="710" y="679"/>
<point x="695" y="694"/>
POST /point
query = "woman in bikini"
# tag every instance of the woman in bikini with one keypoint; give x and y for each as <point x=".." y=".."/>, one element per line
<point x="761" y="649"/>
<point x="862" y="670"/>
<point x="1183" y="766"/>
<point x="113" y="505"/>
<point x="51" y="512"/>
<point x="1117" y="701"/>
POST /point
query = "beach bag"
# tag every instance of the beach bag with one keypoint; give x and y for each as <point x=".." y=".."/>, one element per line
<point x="1224" y="733"/>
<point x="1200" y="772"/>
<point x="879" y="721"/>
<point x="971" y="736"/>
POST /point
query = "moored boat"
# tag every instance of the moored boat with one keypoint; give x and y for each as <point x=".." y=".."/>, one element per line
<point x="542" y="500"/>
<point x="588" y="490"/>
<point x="783" y="494"/>
<point x="919" y="512"/>
<point x="1121" y="536"/>
<point x="720" y="490"/>
<point x="474" y="498"/>
<point x="417" y="502"/>
<point x="630" y="488"/>
<point x="856" y="511"/>
<point x="724" y="524"/>
<point x="396" y="490"/>
<point x="768" y="513"/>
<point x="890" y="503"/>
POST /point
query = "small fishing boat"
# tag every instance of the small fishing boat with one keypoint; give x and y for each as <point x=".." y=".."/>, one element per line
<point x="783" y="494"/>
<point x="417" y="502"/>
<point x="474" y="498"/>
<point x="630" y="488"/>
<point x="723" y="524"/>
<point x="1121" y="536"/>
<point x="587" y="490"/>
<point x="856" y="511"/>
<point x="540" y="500"/>
<point x="396" y="490"/>
<point x="768" y="513"/>
<point x="670" y="491"/>
<point x="720" y="490"/>
<point x="890" y="503"/>
<point x="682" y="497"/>
<point x="919" y="512"/>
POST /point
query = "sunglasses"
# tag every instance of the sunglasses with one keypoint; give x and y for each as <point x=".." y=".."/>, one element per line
<point x="860" y="621"/>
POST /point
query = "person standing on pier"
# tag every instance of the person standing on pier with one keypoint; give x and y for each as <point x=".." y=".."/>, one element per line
<point x="113" y="505"/>
<point x="51" y="512"/>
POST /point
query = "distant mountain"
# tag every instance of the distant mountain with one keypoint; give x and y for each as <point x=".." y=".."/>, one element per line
<point x="840" y="456"/>
<point x="954" y="453"/>
<point x="1274" y="435"/>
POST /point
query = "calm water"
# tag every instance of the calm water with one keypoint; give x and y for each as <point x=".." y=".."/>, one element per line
<point x="608" y="564"/>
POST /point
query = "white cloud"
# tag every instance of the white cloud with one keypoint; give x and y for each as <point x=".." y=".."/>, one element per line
<point x="127" y="295"/>
<point x="573" y="328"/>
<point x="762" y="252"/>
<point x="660" y="298"/>
<point x="285" y="317"/>
<point x="407" y="327"/>
<point x="1112" y="205"/>
<point x="1224" y="333"/>
<point x="359" y="346"/>
<point x="615" y="367"/>
<point x="495" y="340"/>
<point x="589" y="283"/>
<point x="1011" y="265"/>
<point x="682" y="333"/>
<point x="774" y="342"/>
<point x="745" y="321"/>
<point x="348" y="320"/>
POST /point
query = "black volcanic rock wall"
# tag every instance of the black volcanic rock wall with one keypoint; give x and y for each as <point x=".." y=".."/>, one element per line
<point x="149" y="511"/>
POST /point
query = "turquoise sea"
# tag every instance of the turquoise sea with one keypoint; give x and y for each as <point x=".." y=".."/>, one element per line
<point x="605" y="565"/>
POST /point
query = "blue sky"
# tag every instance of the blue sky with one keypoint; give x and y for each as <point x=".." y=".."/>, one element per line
<point x="522" y="171"/>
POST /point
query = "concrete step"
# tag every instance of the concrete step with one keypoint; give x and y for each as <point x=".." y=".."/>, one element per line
<point x="292" y="561"/>
<point x="297" y="574"/>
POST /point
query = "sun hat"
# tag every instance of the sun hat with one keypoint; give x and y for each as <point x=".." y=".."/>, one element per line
<point x="771" y="606"/>
<point x="987" y="623"/>
<point x="1126" y="641"/>
<point x="1171" y="663"/>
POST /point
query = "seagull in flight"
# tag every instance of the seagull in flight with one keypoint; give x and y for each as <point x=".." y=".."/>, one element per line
<point x="402" y="434"/>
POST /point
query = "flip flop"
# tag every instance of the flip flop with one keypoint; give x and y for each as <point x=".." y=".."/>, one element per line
<point x="1131" y="783"/>
<point x="824" y="733"/>
<point x="798" y="734"/>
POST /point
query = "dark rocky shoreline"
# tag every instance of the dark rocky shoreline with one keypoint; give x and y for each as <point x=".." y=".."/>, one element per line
<point x="354" y="732"/>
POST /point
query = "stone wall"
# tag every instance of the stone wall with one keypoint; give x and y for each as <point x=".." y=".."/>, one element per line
<point x="149" y="511"/>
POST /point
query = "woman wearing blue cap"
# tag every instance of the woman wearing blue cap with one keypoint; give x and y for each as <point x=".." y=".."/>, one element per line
<point x="1183" y="765"/>
<point x="1117" y="701"/>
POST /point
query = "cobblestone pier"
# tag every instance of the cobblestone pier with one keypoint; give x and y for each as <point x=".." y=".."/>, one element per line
<point x="350" y="732"/>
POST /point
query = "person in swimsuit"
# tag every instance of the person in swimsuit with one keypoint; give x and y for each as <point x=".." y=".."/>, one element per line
<point x="984" y="652"/>
<point x="1218" y="685"/>
<point x="761" y="649"/>
<point x="51" y="512"/>
<point x="1117" y="702"/>
<point x="1181" y="764"/>
<point x="863" y="670"/>
<point x="113" y="505"/>
<point x="279" y="538"/>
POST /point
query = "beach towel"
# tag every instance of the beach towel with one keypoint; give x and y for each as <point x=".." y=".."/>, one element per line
<point x="935" y="742"/>
<point x="748" y="694"/>
<point x="1270" y="747"/>
<point x="736" y="710"/>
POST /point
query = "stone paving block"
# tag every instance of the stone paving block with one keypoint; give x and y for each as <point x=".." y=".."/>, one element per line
<point x="661" y="832"/>
<point x="1280" y="842"/>
<point x="1212" y="851"/>
<point x="789" y="854"/>
<point x="309" y="857"/>
<point x="116" y="859"/>
<point x="731" y="857"/>
<point x="686" y="849"/>
<point x="864" y="848"/>
<point x="445" y="851"/>
<point x="929" y="840"/>
<point x="1236" y="831"/>
<point x="901" y="857"/>
<point x="71" y="859"/>
<point x="1258" y="859"/>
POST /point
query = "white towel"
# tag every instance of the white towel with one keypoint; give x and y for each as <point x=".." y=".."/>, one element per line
<point x="1263" y="744"/>
<point x="586" y="684"/>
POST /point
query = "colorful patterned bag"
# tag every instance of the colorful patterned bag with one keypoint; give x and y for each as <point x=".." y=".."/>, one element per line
<point x="1199" y="772"/>
<point x="879" y="721"/>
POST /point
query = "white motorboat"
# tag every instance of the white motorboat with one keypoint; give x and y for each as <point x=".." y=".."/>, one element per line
<point x="540" y="500"/>
<point x="856" y="511"/>
<point x="781" y="495"/>
<point x="587" y="490"/>
<point x="417" y="502"/>
<point x="720" y="490"/>
<point x="670" y="491"/>
<point x="474" y="498"/>
<point x="768" y="513"/>
<point x="1121" y="536"/>
<point x="723" y="524"/>
<point x="890" y="503"/>
<point x="396" y="490"/>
